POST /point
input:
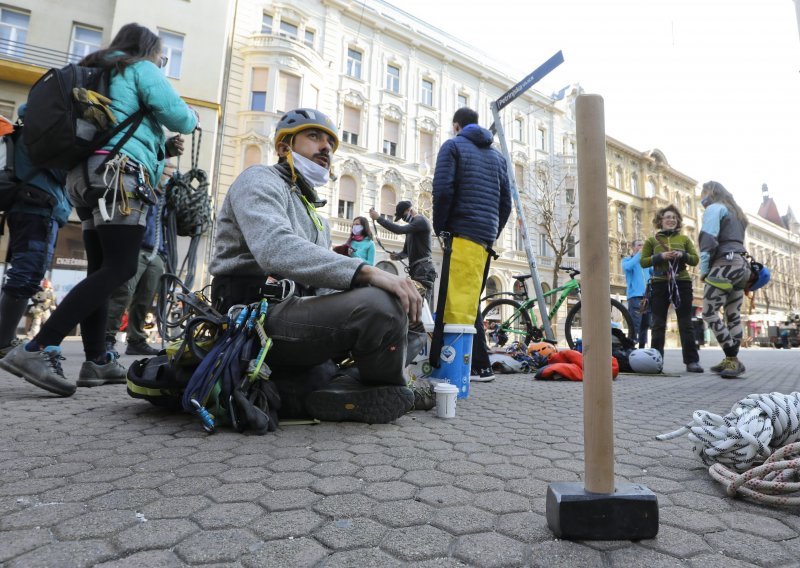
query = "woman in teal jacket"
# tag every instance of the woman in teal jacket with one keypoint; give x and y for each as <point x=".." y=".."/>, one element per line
<point x="111" y="193"/>
<point x="361" y="242"/>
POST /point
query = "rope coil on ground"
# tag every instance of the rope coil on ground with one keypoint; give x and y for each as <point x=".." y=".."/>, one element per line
<point x="775" y="482"/>
<point x="748" y="435"/>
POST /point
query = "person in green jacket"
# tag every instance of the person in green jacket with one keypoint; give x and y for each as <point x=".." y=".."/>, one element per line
<point x="669" y="253"/>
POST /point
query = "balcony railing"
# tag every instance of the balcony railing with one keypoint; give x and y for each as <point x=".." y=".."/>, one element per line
<point x="37" y="55"/>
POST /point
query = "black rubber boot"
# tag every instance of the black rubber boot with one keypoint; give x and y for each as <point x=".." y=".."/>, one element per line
<point x="11" y="311"/>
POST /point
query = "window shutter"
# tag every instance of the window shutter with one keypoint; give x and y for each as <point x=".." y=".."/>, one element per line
<point x="347" y="189"/>
<point x="391" y="131"/>
<point x="289" y="92"/>
<point x="388" y="201"/>
<point x="352" y="119"/>
<point x="260" y="75"/>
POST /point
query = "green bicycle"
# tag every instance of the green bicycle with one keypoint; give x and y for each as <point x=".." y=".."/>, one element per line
<point x="507" y="319"/>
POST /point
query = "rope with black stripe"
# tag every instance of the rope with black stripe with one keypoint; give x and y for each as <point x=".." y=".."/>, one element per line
<point x="760" y="429"/>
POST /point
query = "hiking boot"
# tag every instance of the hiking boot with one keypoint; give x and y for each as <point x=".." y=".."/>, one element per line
<point x="8" y="348"/>
<point x="694" y="367"/>
<point x="733" y="370"/>
<point x="39" y="368"/>
<point x="141" y="348"/>
<point x="481" y="375"/>
<point x="110" y="373"/>
<point x="348" y="399"/>
<point x="424" y="399"/>
<point x="721" y="366"/>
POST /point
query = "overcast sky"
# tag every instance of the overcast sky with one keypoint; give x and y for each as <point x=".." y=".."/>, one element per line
<point x="713" y="84"/>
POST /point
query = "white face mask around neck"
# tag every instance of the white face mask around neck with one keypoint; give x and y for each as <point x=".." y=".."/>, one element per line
<point x="315" y="174"/>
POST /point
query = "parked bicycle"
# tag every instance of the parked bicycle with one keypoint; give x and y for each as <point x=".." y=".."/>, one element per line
<point x="520" y="323"/>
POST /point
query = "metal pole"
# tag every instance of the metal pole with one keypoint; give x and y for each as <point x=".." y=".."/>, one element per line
<point x="523" y="225"/>
<point x="598" y="411"/>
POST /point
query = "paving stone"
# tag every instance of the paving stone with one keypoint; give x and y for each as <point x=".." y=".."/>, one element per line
<point x="29" y="486"/>
<point x="44" y="515"/>
<point x="502" y="502"/>
<point x="345" y="506"/>
<point x="759" y="525"/>
<point x="290" y="480"/>
<point x="237" y="492"/>
<point x="462" y="467"/>
<point x="175" y="507"/>
<point x="16" y="542"/>
<point x="345" y="534"/>
<point x="154" y="534"/>
<point x="526" y="527"/>
<point x="288" y="499"/>
<point x="365" y="460"/>
<point x="676" y="542"/>
<point x="124" y="499"/>
<point x="718" y="561"/>
<point x="428" y="478"/>
<point x="148" y="559"/>
<point x="390" y="490"/>
<point x="338" y="484"/>
<point x="283" y="524"/>
<point x="244" y="475"/>
<point x="372" y="557"/>
<point x="216" y="546"/>
<point x="205" y="469"/>
<point x="416" y="543"/>
<point x="695" y="521"/>
<point x="380" y="473"/>
<point x="463" y="520"/>
<point x="327" y="456"/>
<point x="403" y="513"/>
<point x="65" y="554"/>
<point x="444" y="495"/>
<point x="95" y="524"/>
<point x="490" y="550"/>
<point x="638" y="557"/>
<point x="335" y="469"/>
<point x="479" y="483"/>
<point x="297" y="553"/>
<point x="189" y="486"/>
<point x="748" y="547"/>
<point x="226" y="515"/>
<point x="702" y="502"/>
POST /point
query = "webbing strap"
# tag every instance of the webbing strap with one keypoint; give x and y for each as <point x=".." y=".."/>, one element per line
<point x="438" y="327"/>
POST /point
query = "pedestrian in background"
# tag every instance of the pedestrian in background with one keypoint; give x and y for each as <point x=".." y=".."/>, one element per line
<point x="636" y="279"/>
<point x="725" y="271"/>
<point x="669" y="253"/>
<point x="360" y="243"/>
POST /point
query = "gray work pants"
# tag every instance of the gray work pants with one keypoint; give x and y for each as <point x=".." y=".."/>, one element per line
<point x="135" y="295"/>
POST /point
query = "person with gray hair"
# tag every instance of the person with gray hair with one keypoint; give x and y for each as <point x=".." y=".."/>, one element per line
<point x="636" y="279"/>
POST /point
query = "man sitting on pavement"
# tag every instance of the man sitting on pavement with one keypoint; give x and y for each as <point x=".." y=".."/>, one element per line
<point x="269" y="226"/>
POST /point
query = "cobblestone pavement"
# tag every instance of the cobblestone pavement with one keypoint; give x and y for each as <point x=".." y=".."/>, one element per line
<point x="101" y="479"/>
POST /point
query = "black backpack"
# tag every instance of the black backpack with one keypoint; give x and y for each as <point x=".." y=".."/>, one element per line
<point x="14" y="189"/>
<point x="65" y="121"/>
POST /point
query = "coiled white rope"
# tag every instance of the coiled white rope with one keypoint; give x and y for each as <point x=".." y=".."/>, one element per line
<point x="754" y="428"/>
<point x="755" y="431"/>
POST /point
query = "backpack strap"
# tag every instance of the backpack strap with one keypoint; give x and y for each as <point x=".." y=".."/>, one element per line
<point x="134" y="121"/>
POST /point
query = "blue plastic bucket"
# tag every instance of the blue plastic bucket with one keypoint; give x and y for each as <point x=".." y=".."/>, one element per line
<point x="456" y="359"/>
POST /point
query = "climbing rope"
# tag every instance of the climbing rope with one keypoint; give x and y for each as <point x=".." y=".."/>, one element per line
<point x="748" y="435"/>
<point x="775" y="482"/>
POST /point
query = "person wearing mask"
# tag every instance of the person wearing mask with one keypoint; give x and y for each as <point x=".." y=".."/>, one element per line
<point x="111" y="194"/>
<point x="33" y="225"/>
<point x="341" y="307"/>
<point x="725" y="272"/>
<point x="360" y="243"/>
<point x="636" y="279"/>
<point x="417" y="246"/>
<point x="669" y="253"/>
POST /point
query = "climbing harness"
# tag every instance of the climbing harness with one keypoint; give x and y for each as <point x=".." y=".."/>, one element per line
<point x="114" y="170"/>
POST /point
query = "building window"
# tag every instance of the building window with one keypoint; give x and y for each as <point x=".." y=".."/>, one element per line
<point x="571" y="246"/>
<point x="461" y="101"/>
<point x="347" y="197"/>
<point x="637" y="224"/>
<point x="252" y="156"/>
<point x="388" y="202"/>
<point x="519" y="242"/>
<point x="426" y="155"/>
<point x="519" y="130"/>
<point x="541" y="139"/>
<point x="634" y="184"/>
<point x="391" y="136"/>
<point x="172" y="49"/>
<point x="13" y="31"/>
<point x="288" y="92"/>
<point x="569" y="194"/>
<point x="351" y="126"/>
<point x="84" y="41"/>
<point x="519" y="176"/>
<point x="354" y="63"/>
<point x="393" y="78"/>
<point x="618" y="178"/>
<point x="650" y="188"/>
<point x="426" y="92"/>
<point x="621" y="221"/>
<point x="544" y="246"/>
<point x="258" y="89"/>
<point x="266" y="24"/>
<point x="309" y="38"/>
<point x="288" y="29"/>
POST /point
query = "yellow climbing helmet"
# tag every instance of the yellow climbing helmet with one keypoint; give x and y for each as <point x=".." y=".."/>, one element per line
<point x="300" y="119"/>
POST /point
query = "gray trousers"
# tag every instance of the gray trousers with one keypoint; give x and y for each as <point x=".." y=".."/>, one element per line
<point x="135" y="295"/>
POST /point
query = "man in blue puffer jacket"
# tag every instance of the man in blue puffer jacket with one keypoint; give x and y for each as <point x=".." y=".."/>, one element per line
<point x="471" y="202"/>
<point x="33" y="229"/>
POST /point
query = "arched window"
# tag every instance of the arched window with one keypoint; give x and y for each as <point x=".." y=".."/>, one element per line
<point x="252" y="156"/>
<point x="650" y="188"/>
<point x="634" y="184"/>
<point x="388" y="202"/>
<point x="618" y="178"/>
<point x="347" y="197"/>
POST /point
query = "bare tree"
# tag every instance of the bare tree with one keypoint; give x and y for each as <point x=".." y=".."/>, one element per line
<point x="551" y="202"/>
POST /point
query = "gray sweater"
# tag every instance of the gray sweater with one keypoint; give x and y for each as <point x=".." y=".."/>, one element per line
<point x="265" y="229"/>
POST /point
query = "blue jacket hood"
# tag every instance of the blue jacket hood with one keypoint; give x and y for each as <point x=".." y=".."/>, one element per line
<point x="477" y="135"/>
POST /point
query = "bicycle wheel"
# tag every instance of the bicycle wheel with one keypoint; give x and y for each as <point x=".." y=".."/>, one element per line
<point x="504" y="326"/>
<point x="620" y="318"/>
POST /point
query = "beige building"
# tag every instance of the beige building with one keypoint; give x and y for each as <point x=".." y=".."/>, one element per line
<point x="36" y="35"/>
